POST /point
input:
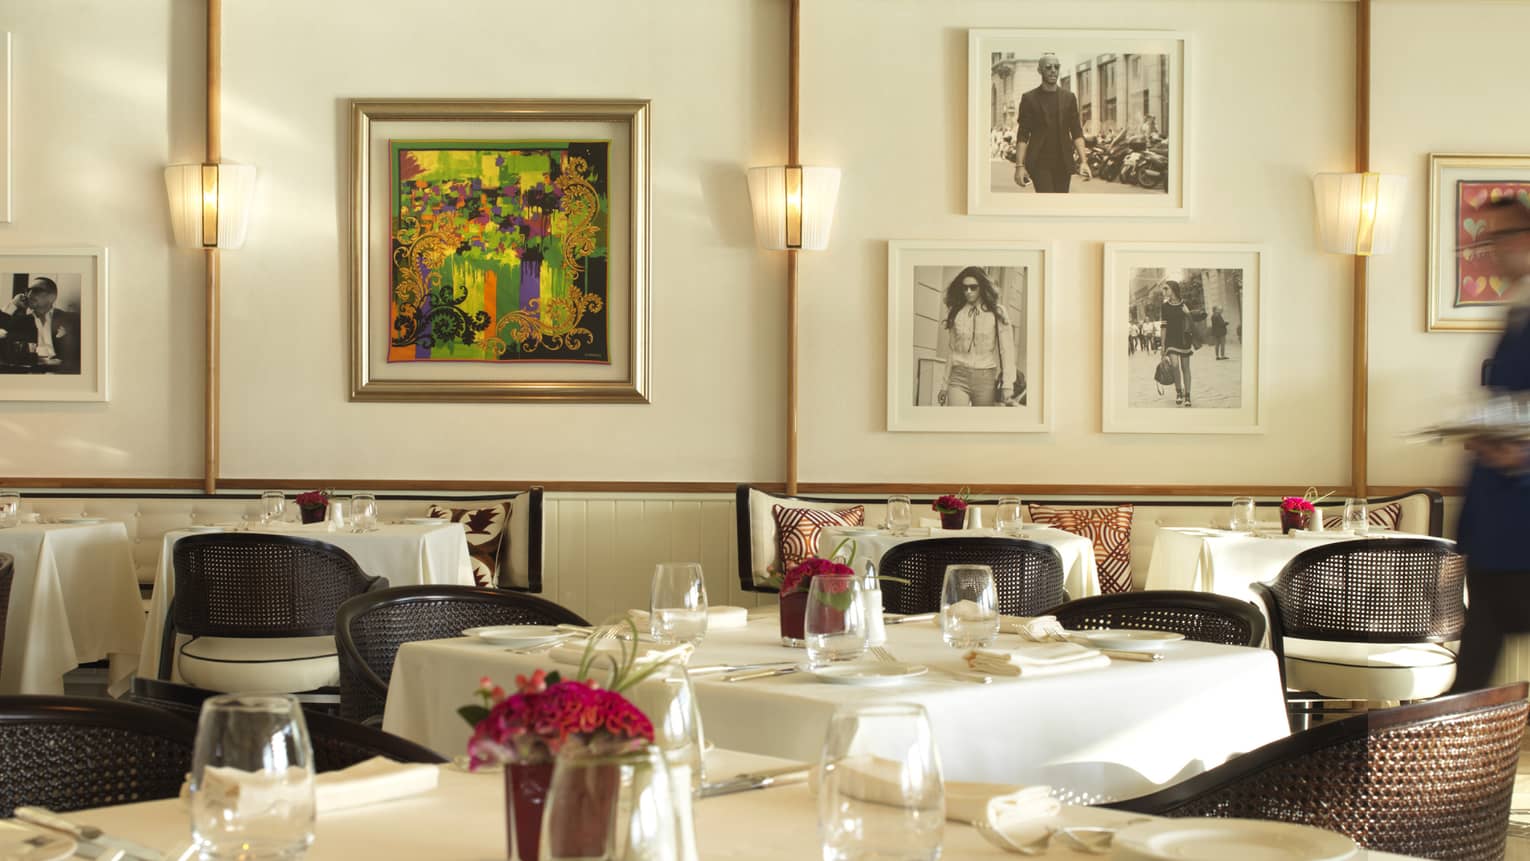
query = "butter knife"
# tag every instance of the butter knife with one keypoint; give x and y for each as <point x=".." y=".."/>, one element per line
<point x="88" y="836"/>
<point x="713" y="669"/>
<point x="756" y="780"/>
<point x="915" y="617"/>
<point x="760" y="674"/>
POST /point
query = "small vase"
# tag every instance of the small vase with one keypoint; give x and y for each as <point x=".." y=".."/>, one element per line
<point x="953" y="519"/>
<point x="312" y="513"/>
<point x="793" y="612"/>
<point x="525" y="796"/>
<point x="591" y="790"/>
<point x="1290" y="520"/>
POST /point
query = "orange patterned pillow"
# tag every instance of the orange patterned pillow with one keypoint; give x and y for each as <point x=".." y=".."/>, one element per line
<point x="1108" y="527"/>
<point x="797" y="530"/>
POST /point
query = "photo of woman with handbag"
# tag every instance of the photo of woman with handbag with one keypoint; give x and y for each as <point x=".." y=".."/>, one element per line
<point x="1178" y="343"/>
<point x="977" y="343"/>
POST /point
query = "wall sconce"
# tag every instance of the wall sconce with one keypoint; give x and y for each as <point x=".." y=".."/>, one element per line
<point x="1358" y="213"/>
<point x="793" y="206"/>
<point x="210" y="203"/>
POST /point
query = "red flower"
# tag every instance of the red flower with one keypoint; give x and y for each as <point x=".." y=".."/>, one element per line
<point x="800" y="577"/>
<point x="312" y="499"/>
<point x="538" y="721"/>
<point x="1296" y="503"/>
<point x="949" y="503"/>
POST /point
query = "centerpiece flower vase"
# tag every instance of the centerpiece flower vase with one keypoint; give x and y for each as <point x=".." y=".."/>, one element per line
<point x="793" y="612"/>
<point x="953" y="519"/>
<point x="526" y="785"/>
<point x="312" y="513"/>
<point x="1290" y="520"/>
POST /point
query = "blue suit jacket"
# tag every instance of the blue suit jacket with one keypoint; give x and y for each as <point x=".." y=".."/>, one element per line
<point x="1495" y="520"/>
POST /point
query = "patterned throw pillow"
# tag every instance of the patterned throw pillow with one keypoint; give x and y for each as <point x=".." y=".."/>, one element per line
<point x="797" y="530"/>
<point x="1387" y="517"/>
<point x="1108" y="527"/>
<point x="487" y="538"/>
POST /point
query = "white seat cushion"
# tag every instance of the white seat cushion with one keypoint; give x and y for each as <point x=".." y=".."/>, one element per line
<point x="1369" y="671"/>
<point x="279" y="664"/>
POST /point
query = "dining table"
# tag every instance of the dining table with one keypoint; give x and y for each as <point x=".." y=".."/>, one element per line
<point x="1081" y="573"/>
<point x="1097" y="735"/>
<point x="407" y="554"/>
<point x="73" y="600"/>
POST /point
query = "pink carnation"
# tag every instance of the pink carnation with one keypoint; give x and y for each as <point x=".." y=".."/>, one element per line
<point x="533" y="725"/>
<point x="800" y="577"/>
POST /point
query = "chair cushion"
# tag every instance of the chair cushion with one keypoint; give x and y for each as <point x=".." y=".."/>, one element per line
<point x="1369" y="671"/>
<point x="797" y="530"/>
<point x="280" y="664"/>
<point x="487" y="538"/>
<point x="1108" y="527"/>
<point x="1388" y="517"/>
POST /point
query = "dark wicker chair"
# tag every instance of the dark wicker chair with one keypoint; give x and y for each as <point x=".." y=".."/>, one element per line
<point x="70" y="753"/>
<point x="1432" y="779"/>
<point x="1200" y="616"/>
<point x="337" y="743"/>
<point x="257" y="585"/>
<point x="1028" y="575"/>
<point x="370" y="628"/>
<point x="7" y="574"/>
<point x="1382" y="591"/>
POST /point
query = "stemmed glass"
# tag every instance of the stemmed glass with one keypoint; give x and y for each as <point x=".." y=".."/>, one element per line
<point x="969" y="607"/>
<point x="10" y="508"/>
<point x="835" y="621"/>
<point x="900" y="514"/>
<point x="613" y="808"/>
<point x="252" y="778"/>
<point x="880" y="793"/>
<point x="363" y="512"/>
<point x="1243" y="515"/>
<point x="1357" y="516"/>
<point x="272" y="505"/>
<point x="677" y="609"/>
<point x="1006" y="516"/>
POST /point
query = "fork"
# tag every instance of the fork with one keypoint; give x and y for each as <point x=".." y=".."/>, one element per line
<point x="883" y="655"/>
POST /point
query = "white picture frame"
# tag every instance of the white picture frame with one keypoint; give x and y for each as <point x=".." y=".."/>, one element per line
<point x="919" y="275"/>
<point x="1225" y="398"/>
<point x="1119" y="79"/>
<point x="1465" y="292"/>
<point x="5" y="128"/>
<point x="77" y="332"/>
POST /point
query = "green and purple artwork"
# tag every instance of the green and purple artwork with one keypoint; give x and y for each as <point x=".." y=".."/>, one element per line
<point x="499" y="251"/>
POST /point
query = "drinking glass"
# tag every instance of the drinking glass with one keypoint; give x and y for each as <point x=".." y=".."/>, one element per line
<point x="974" y="517"/>
<point x="880" y="794"/>
<point x="969" y="607"/>
<point x="272" y="505"/>
<point x="1357" y="516"/>
<point x="1006" y="516"/>
<point x="1243" y="515"/>
<point x="10" y="508"/>
<point x="669" y="700"/>
<point x="336" y="512"/>
<point x="835" y="622"/>
<point x="900" y="514"/>
<point x="677" y="609"/>
<point x="363" y="512"/>
<point x="252" y="779"/>
<point x="613" y="808"/>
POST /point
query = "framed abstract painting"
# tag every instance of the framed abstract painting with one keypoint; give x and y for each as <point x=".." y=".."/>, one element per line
<point x="1465" y="293"/>
<point x="500" y="250"/>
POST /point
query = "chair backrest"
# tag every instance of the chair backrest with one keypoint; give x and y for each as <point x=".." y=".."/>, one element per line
<point x="1432" y="779"/>
<point x="7" y="575"/>
<point x="1202" y="616"/>
<point x="1027" y="575"/>
<point x="371" y="627"/>
<point x="337" y="743"/>
<point x="258" y="585"/>
<point x="70" y="753"/>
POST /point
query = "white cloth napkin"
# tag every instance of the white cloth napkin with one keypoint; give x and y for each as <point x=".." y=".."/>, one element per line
<point x="718" y="618"/>
<point x="1036" y="659"/>
<point x="1037" y="629"/>
<point x="1020" y="812"/>
<point x="369" y="782"/>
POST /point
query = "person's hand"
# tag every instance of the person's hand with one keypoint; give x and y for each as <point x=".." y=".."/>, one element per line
<point x="1083" y="170"/>
<point x="1502" y="455"/>
<point x="940" y="398"/>
<point x="1022" y="176"/>
<point x="3" y="333"/>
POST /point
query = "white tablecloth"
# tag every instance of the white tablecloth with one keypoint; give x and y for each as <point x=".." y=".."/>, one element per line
<point x="74" y="600"/>
<point x="463" y="819"/>
<point x="1103" y="734"/>
<point x="1216" y="560"/>
<point x="406" y="554"/>
<point x="1081" y="574"/>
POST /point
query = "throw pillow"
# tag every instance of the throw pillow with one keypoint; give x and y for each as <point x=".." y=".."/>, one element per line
<point x="488" y="540"/>
<point x="1108" y="528"/>
<point x="1387" y="517"/>
<point x="797" y="530"/>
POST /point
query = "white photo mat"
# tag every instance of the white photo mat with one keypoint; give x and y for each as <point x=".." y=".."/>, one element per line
<point x="87" y="267"/>
<point x="1449" y="261"/>
<point x="5" y="128"/>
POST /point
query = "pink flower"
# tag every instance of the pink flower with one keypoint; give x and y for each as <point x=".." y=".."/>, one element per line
<point x="533" y="724"/>
<point x="800" y="577"/>
<point x="949" y="503"/>
<point x="1296" y="503"/>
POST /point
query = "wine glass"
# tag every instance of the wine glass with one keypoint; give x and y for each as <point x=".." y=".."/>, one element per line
<point x="1243" y="515"/>
<point x="677" y="609"/>
<point x="272" y="505"/>
<point x="900" y="514"/>
<point x="1006" y="516"/>
<point x="669" y="700"/>
<point x="363" y="512"/>
<point x="1357" y="516"/>
<point x="613" y="808"/>
<point x="969" y="607"/>
<point x="880" y="793"/>
<point x="10" y="508"/>
<point x="835" y="622"/>
<point x="252" y="778"/>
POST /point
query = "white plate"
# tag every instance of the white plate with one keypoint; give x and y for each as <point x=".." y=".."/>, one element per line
<point x="81" y="520"/>
<point x="1127" y="640"/>
<point x="856" y="530"/>
<point x="1221" y="839"/>
<point x="20" y="843"/>
<point x="425" y="521"/>
<point x="516" y="635"/>
<point x="204" y="528"/>
<point x="869" y="675"/>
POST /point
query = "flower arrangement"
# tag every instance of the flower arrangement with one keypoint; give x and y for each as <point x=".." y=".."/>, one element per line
<point x="1297" y="512"/>
<point x="1297" y="503"/>
<point x="312" y="499"/>
<point x="951" y="503"/>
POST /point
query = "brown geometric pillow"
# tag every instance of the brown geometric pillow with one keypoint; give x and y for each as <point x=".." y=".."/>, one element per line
<point x="1387" y="517"/>
<point x="1109" y="528"/>
<point x="488" y="540"/>
<point x="797" y="530"/>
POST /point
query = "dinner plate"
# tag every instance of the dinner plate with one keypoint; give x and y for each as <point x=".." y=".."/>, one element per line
<point x="204" y="528"/>
<point x="516" y="635"/>
<point x="20" y="843"/>
<point x="869" y="675"/>
<point x="1221" y="839"/>
<point x="81" y="520"/>
<point x="1127" y="640"/>
<point x="857" y="530"/>
<point x="424" y="521"/>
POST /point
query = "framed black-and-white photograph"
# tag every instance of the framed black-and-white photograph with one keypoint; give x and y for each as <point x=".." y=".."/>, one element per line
<point x="1078" y="122"/>
<point x="1182" y="339"/>
<point x="53" y="324"/>
<point x="968" y="336"/>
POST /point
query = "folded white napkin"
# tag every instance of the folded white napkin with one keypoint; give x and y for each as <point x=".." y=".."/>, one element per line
<point x="573" y="653"/>
<point x="1018" y="811"/>
<point x="718" y="618"/>
<point x="965" y="610"/>
<point x="376" y="779"/>
<point x="1036" y="659"/>
<point x="1037" y="629"/>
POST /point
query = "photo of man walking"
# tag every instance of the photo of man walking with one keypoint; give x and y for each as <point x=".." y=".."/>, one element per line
<point x="1049" y="133"/>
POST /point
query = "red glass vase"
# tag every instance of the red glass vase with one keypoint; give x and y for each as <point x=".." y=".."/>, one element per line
<point x="312" y="513"/>
<point x="953" y="519"/>
<point x="592" y="792"/>
<point x="525" y="796"/>
<point x="793" y="612"/>
<point x="1290" y="520"/>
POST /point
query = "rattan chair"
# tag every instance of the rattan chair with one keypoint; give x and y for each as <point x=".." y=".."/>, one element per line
<point x="1201" y="616"/>
<point x="260" y="610"/>
<point x="70" y="753"/>
<point x="7" y="574"/>
<point x="337" y="743"/>
<point x="1368" y="620"/>
<point x="1431" y="780"/>
<point x="1028" y="575"/>
<point x="370" y="629"/>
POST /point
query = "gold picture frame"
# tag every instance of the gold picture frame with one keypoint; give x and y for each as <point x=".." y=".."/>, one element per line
<point x="1455" y="179"/>
<point x="392" y="355"/>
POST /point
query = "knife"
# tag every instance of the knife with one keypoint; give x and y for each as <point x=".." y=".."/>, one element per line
<point x="755" y="780"/>
<point x="761" y="674"/>
<point x="90" y="838"/>
<point x="915" y="617"/>
<point x="711" y="669"/>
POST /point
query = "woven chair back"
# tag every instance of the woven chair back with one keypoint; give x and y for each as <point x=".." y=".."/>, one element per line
<point x="1200" y="616"/>
<point x="1392" y="590"/>
<point x="1028" y="575"/>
